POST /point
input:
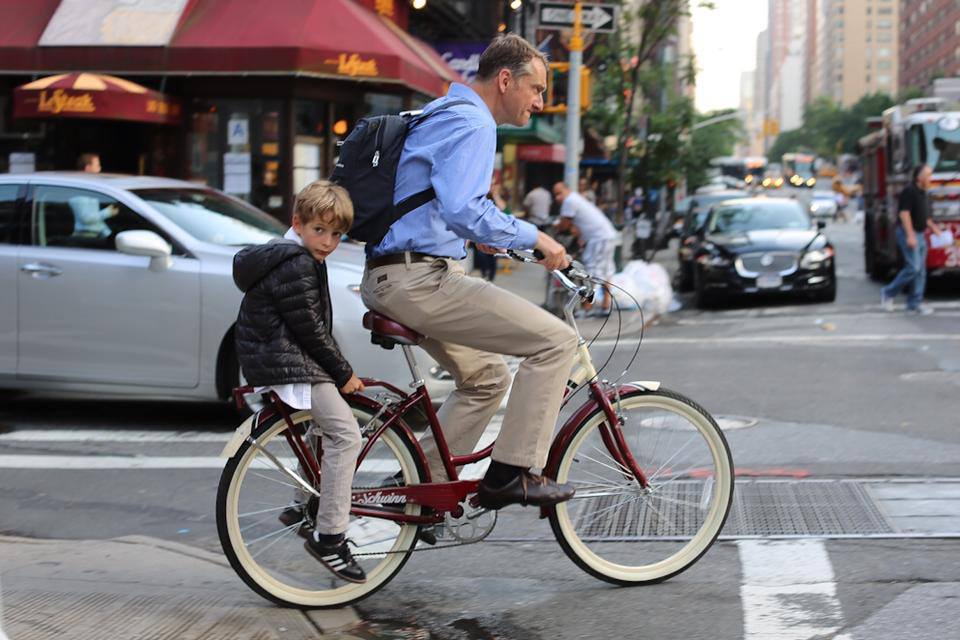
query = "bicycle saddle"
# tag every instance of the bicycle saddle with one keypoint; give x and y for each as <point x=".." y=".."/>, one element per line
<point x="387" y="333"/>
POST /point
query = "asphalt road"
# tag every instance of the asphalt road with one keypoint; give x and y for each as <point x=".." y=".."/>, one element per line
<point x="830" y="392"/>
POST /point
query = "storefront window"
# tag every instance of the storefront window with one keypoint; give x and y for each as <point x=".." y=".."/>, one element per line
<point x="310" y="131"/>
<point x="235" y="146"/>
<point x="381" y="104"/>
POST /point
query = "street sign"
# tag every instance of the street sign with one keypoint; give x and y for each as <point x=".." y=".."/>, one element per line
<point x="599" y="18"/>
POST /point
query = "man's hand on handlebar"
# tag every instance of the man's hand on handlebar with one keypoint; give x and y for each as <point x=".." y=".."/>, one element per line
<point x="486" y="248"/>
<point x="554" y="254"/>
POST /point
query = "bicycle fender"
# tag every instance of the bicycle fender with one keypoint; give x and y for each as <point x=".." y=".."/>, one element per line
<point x="566" y="432"/>
<point x="239" y="437"/>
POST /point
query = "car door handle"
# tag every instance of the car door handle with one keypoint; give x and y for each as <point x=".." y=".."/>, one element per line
<point x="38" y="270"/>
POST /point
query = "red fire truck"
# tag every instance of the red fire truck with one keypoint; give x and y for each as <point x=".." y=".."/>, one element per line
<point x="922" y="131"/>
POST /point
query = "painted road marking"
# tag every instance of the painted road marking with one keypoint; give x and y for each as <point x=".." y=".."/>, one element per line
<point x="711" y="341"/>
<point x="104" y="435"/>
<point x="788" y="590"/>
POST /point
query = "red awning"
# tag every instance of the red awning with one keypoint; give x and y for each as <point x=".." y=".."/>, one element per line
<point x="88" y="95"/>
<point x="325" y="38"/>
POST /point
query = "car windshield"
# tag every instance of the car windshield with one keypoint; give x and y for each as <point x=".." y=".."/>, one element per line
<point x="755" y="216"/>
<point x="823" y="195"/>
<point x="701" y="206"/>
<point x="212" y="217"/>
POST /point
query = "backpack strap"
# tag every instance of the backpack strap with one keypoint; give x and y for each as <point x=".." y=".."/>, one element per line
<point x="421" y="198"/>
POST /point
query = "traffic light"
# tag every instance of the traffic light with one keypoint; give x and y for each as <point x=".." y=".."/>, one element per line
<point x="556" y="99"/>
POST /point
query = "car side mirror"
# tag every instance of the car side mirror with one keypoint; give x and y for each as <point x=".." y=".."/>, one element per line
<point x="146" y="243"/>
<point x="821" y="225"/>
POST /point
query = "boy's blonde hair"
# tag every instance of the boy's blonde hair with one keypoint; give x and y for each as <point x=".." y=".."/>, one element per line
<point x="327" y="201"/>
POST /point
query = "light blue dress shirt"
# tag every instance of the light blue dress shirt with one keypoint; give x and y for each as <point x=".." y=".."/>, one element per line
<point x="453" y="151"/>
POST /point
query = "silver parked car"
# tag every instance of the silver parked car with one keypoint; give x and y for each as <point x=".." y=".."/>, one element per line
<point x="823" y="204"/>
<point x="116" y="284"/>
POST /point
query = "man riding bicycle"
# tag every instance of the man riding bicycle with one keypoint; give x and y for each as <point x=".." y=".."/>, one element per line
<point x="414" y="276"/>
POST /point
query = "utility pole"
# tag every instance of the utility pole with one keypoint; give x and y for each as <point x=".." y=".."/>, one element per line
<point x="571" y="166"/>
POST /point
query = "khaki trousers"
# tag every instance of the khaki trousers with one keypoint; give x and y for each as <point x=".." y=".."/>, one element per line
<point x="467" y="321"/>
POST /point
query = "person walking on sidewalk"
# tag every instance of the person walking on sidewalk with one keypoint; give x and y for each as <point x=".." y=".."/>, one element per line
<point x="537" y="205"/>
<point x="914" y="219"/>
<point x="414" y="276"/>
<point x="596" y="233"/>
<point x="284" y="343"/>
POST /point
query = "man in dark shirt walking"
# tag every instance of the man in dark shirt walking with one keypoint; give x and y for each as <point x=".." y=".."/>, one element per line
<point x="914" y="219"/>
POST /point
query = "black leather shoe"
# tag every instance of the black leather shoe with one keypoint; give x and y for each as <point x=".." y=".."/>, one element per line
<point x="526" y="489"/>
<point x="337" y="558"/>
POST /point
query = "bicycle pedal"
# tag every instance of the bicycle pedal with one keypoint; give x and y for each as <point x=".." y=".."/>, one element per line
<point x="427" y="535"/>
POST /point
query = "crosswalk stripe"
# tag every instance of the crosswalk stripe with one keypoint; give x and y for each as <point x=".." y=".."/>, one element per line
<point x="788" y="590"/>
<point x="105" y="435"/>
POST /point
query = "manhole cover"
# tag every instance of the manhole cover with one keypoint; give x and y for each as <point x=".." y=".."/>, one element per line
<point x="729" y="423"/>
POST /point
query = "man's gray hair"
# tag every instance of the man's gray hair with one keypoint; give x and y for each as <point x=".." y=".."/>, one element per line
<point x="509" y="52"/>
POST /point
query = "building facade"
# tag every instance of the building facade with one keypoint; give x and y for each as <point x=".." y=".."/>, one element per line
<point x="857" y="49"/>
<point x="262" y="103"/>
<point x="929" y="43"/>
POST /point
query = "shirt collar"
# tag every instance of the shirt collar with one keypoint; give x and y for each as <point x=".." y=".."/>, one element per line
<point x="460" y="91"/>
<point x="293" y="235"/>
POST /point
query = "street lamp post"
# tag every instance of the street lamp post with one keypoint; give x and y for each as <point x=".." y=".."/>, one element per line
<point x="571" y="165"/>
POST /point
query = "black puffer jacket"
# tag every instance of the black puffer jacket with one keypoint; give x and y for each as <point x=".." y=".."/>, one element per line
<point x="284" y="328"/>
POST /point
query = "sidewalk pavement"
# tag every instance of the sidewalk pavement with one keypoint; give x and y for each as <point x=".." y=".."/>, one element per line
<point x="142" y="587"/>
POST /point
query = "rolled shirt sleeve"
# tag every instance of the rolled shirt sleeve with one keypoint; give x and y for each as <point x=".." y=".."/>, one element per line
<point x="462" y="186"/>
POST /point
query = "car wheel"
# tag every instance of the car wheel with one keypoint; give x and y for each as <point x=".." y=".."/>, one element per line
<point x="827" y="295"/>
<point x="230" y="377"/>
<point x="702" y="299"/>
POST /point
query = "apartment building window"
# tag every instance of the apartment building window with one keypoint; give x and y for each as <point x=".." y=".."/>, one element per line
<point x="883" y="24"/>
<point x="883" y="36"/>
<point x="884" y="80"/>
<point x="885" y="11"/>
<point x="883" y="64"/>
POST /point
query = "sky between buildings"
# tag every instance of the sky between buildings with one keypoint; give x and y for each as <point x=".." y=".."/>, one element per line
<point x="725" y="44"/>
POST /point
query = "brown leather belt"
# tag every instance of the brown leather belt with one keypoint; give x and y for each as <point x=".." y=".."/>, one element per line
<point x="399" y="258"/>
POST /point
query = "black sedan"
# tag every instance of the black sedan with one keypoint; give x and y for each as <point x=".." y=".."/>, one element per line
<point x="698" y="206"/>
<point x="757" y="246"/>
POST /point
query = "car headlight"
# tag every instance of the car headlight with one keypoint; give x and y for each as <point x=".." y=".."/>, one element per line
<point x="813" y="258"/>
<point x="811" y="182"/>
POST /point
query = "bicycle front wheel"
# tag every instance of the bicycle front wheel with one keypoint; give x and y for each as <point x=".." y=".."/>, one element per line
<point x="626" y="534"/>
<point x="261" y="536"/>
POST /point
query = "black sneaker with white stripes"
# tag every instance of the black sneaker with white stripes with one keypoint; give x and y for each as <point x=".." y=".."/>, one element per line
<point x="337" y="558"/>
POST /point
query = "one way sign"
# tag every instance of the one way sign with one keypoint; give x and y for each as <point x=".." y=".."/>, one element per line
<point x="600" y="18"/>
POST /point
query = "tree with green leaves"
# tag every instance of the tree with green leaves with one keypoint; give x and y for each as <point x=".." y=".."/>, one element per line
<point x="629" y="74"/>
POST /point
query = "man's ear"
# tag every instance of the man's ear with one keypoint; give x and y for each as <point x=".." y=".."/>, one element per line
<point x="503" y="80"/>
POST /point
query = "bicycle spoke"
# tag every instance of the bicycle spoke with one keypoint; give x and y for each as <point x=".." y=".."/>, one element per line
<point x="256" y="513"/>
<point x="288" y="529"/>
<point x="670" y="459"/>
<point x="606" y="454"/>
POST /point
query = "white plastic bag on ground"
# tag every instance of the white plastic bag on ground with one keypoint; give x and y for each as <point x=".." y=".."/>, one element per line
<point x="648" y="283"/>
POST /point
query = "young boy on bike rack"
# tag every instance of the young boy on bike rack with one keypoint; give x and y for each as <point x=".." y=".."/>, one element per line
<point x="285" y="345"/>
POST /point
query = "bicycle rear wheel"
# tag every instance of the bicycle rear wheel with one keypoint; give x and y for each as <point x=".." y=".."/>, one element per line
<point x="268" y="553"/>
<point x="622" y="533"/>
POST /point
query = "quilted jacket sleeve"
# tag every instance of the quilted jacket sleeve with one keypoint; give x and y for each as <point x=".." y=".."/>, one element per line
<point x="302" y="305"/>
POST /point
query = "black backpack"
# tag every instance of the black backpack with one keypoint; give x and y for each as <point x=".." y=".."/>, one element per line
<point x="367" y="169"/>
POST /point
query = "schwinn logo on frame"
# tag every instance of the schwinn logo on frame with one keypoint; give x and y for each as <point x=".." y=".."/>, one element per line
<point x="381" y="498"/>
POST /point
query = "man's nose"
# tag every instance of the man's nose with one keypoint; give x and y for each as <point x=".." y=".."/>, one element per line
<point x="538" y="102"/>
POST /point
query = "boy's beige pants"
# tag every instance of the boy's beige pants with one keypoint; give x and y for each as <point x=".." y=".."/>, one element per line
<point x="467" y="321"/>
<point x="340" y="437"/>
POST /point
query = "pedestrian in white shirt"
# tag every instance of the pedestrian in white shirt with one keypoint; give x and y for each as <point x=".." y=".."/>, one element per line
<point x="537" y="205"/>
<point x="597" y="234"/>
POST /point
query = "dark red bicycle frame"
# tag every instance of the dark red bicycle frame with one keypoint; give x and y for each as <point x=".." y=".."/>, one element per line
<point x="443" y="497"/>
